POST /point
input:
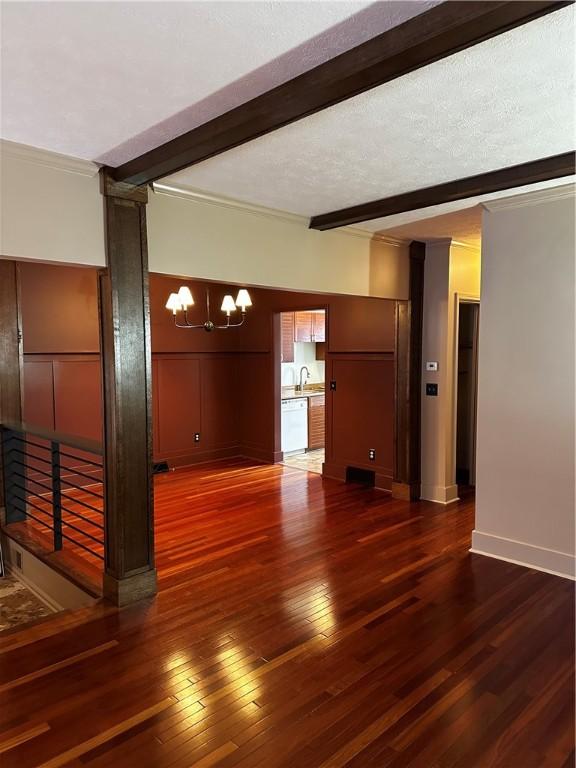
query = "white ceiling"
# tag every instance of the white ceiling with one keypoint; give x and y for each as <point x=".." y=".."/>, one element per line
<point x="506" y="101"/>
<point x="106" y="81"/>
<point x="464" y="226"/>
<point x="396" y="222"/>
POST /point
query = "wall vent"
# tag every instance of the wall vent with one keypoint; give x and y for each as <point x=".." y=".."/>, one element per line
<point x="361" y="476"/>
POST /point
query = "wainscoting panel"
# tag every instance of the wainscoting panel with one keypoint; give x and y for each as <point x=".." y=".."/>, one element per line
<point x="178" y="404"/>
<point x="38" y="385"/>
<point x="360" y="416"/>
<point x="78" y="398"/>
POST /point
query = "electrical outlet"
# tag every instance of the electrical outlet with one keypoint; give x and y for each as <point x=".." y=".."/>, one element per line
<point x="196" y="437"/>
<point x="372" y="454"/>
<point x="432" y="390"/>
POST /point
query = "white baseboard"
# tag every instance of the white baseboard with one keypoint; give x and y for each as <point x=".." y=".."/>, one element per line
<point x="440" y="494"/>
<point x="520" y="553"/>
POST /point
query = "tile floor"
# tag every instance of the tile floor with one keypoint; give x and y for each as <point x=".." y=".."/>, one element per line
<point x="311" y="461"/>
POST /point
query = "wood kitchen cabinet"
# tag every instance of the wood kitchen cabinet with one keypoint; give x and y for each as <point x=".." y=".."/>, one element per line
<point x="316" y="420"/>
<point x="303" y="326"/>
<point x="288" y="336"/>
<point x="318" y="326"/>
<point x="310" y="326"/>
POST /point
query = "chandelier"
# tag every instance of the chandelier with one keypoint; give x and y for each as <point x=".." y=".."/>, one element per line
<point x="179" y="302"/>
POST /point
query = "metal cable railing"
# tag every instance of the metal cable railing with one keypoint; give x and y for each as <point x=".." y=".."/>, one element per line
<point x="55" y="485"/>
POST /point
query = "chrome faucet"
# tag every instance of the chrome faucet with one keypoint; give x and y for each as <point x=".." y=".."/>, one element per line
<point x="300" y="387"/>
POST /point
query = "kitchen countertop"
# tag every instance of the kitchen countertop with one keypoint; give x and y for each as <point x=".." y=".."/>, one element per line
<point x="288" y="393"/>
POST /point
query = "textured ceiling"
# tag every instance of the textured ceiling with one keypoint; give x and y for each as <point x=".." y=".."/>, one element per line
<point x="503" y="102"/>
<point x="108" y="80"/>
<point x="389" y="224"/>
<point x="464" y="225"/>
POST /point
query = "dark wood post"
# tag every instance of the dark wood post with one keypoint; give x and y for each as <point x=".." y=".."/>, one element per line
<point x="409" y="318"/>
<point x="10" y="351"/>
<point x="127" y="381"/>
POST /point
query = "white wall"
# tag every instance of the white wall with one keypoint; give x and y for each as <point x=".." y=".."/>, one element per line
<point x="525" y="450"/>
<point x="450" y="270"/>
<point x="50" y="207"/>
<point x="435" y="410"/>
<point x="52" y="210"/>
<point x="304" y="354"/>
<point x="199" y="236"/>
<point x="389" y="268"/>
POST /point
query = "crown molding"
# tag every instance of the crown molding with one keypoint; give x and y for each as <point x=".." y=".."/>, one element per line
<point x="47" y="159"/>
<point x="531" y="198"/>
<point x="396" y="242"/>
<point x="468" y="246"/>
<point x="199" y="196"/>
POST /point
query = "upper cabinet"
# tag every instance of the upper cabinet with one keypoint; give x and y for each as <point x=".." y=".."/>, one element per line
<point x="310" y="326"/>
<point x="318" y="326"/>
<point x="303" y="326"/>
<point x="288" y="333"/>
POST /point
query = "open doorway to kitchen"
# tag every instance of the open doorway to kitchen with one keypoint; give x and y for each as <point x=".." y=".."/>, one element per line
<point x="302" y="388"/>
<point x="467" y="385"/>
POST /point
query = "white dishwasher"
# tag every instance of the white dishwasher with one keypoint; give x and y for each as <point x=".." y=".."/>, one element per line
<point x="294" y="424"/>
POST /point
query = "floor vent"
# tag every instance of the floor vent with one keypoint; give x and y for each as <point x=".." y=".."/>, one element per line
<point x="361" y="476"/>
<point x="161" y="466"/>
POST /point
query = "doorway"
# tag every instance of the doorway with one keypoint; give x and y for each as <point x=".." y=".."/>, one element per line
<point x="302" y="388"/>
<point x="467" y="388"/>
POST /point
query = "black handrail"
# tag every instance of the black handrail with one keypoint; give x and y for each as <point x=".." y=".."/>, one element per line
<point x="23" y="479"/>
<point x="91" y="446"/>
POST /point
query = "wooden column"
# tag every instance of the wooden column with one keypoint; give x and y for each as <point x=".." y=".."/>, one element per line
<point x="127" y="380"/>
<point x="10" y="351"/>
<point x="406" y="483"/>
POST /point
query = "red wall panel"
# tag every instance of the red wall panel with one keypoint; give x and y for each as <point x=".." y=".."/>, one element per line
<point x="257" y="403"/>
<point x="38" y="406"/>
<point x="59" y="307"/>
<point x="222" y="384"/>
<point x="219" y="386"/>
<point x="178" y="404"/>
<point x="155" y="413"/>
<point x="78" y="398"/>
<point x="362" y="411"/>
<point x="361" y="325"/>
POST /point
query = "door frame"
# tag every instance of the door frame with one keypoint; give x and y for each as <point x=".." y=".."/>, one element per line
<point x="459" y="299"/>
<point x="277" y="361"/>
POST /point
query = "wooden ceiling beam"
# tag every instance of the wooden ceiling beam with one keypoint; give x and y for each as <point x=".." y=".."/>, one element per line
<point x="546" y="169"/>
<point x="439" y="32"/>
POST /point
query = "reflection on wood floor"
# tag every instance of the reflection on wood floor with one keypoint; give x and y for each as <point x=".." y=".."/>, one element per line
<point x="301" y="623"/>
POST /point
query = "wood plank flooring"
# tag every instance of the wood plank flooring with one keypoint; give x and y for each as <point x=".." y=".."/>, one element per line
<point x="301" y="623"/>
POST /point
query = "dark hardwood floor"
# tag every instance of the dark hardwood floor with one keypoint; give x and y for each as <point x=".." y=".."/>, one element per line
<point x="301" y="623"/>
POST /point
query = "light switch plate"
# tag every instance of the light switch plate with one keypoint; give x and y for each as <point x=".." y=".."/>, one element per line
<point x="431" y="366"/>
